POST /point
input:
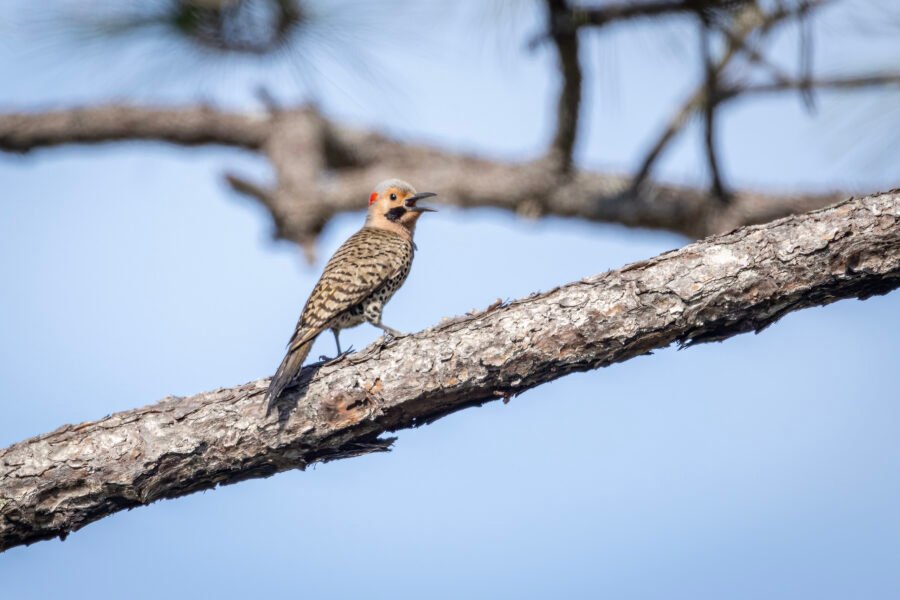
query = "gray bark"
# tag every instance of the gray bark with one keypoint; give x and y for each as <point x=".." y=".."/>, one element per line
<point x="741" y="281"/>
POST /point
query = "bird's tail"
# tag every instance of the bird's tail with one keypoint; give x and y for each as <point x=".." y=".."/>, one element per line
<point x="288" y="369"/>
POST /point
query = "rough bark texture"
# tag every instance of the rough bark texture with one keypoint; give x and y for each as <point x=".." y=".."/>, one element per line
<point x="742" y="281"/>
<point x="323" y="169"/>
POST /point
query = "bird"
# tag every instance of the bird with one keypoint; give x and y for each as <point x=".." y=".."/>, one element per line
<point x="359" y="279"/>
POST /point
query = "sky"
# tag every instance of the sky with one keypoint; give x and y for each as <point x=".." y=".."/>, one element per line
<point x="764" y="466"/>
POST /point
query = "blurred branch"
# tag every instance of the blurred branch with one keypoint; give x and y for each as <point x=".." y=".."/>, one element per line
<point x="696" y="101"/>
<point x="754" y="55"/>
<point x="188" y="126"/>
<point x="805" y="64"/>
<point x="709" y="112"/>
<point x="248" y="188"/>
<point x="749" y="21"/>
<point x="614" y="13"/>
<point x="323" y="169"/>
<point x="743" y="281"/>
<point x="566" y="41"/>
<point x="836" y="83"/>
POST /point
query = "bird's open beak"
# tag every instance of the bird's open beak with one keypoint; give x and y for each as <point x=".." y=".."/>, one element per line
<point x="411" y="202"/>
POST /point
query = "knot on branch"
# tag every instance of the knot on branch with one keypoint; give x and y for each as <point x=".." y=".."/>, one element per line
<point x="302" y="147"/>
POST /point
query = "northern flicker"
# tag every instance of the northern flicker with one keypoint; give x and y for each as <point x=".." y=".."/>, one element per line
<point x="360" y="278"/>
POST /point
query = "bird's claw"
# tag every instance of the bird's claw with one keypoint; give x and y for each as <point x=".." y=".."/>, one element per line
<point x="328" y="360"/>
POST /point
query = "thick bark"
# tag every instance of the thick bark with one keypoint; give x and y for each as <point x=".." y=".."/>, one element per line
<point x="742" y="281"/>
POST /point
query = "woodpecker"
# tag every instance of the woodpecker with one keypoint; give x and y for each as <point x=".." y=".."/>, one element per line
<point x="360" y="278"/>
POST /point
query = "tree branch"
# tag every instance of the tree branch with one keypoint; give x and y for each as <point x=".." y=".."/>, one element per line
<point x="709" y="113"/>
<point x="567" y="109"/>
<point x="749" y="21"/>
<point x="324" y="169"/>
<point x="614" y="13"/>
<point x="188" y="126"/>
<point x="742" y="281"/>
<point x="821" y="83"/>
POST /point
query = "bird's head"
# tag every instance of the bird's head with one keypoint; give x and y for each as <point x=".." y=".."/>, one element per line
<point x="394" y="203"/>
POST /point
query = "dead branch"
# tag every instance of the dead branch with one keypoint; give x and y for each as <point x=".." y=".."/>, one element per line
<point x="54" y="484"/>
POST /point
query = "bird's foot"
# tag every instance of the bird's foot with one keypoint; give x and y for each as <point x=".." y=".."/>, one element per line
<point x="328" y="360"/>
<point x="393" y="334"/>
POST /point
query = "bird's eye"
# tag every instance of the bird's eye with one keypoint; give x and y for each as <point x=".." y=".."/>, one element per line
<point x="393" y="196"/>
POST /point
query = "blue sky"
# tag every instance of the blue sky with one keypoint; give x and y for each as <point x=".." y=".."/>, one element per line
<point x="765" y="466"/>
